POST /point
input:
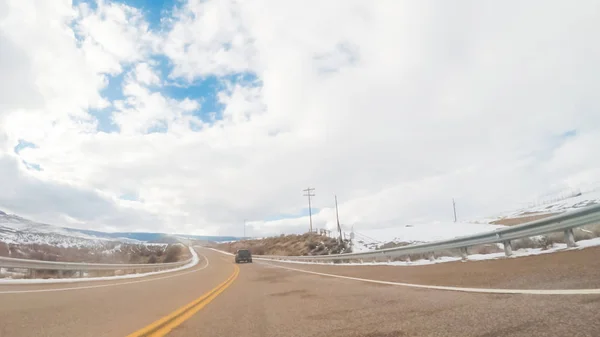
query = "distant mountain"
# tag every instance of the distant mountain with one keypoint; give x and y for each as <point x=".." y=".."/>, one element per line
<point x="153" y="237"/>
<point x="211" y="238"/>
<point x="138" y="236"/>
<point x="18" y="230"/>
<point x="15" y="229"/>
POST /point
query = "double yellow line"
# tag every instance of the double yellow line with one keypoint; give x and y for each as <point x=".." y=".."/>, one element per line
<point x="164" y="325"/>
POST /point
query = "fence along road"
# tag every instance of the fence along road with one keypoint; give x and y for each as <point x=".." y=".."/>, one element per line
<point x="563" y="222"/>
<point x="33" y="265"/>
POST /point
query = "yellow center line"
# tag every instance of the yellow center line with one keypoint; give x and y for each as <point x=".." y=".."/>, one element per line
<point x="164" y="325"/>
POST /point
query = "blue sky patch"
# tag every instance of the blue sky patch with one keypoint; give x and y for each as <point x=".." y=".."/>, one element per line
<point x="104" y="119"/>
<point x="153" y="10"/>
<point x="569" y="134"/>
<point x="114" y="89"/>
<point x="158" y="128"/>
<point x="553" y="143"/>
<point x="112" y="92"/>
<point x="32" y="166"/>
<point x="23" y="144"/>
<point x="129" y="197"/>
<point x="92" y="4"/>
<point x="206" y="91"/>
<point x="162" y="65"/>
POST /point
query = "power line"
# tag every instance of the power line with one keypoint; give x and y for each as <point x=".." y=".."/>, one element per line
<point x="309" y="194"/>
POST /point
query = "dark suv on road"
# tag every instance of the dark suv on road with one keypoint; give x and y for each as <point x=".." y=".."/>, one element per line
<point x="243" y="255"/>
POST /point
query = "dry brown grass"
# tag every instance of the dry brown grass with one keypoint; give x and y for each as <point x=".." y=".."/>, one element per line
<point x="521" y="220"/>
<point x="110" y="252"/>
<point x="394" y="245"/>
<point x="485" y="249"/>
<point x="288" y="245"/>
<point x="547" y="241"/>
<point x="587" y="232"/>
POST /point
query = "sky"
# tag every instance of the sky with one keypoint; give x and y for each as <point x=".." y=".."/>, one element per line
<point x="193" y="116"/>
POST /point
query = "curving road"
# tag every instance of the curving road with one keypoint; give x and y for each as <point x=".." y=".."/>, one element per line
<point x="216" y="298"/>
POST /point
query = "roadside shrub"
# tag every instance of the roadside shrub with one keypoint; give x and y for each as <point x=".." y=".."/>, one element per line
<point x="152" y="259"/>
<point x="4" y="249"/>
<point x="173" y="253"/>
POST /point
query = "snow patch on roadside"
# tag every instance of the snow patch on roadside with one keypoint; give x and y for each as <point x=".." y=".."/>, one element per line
<point x="192" y="263"/>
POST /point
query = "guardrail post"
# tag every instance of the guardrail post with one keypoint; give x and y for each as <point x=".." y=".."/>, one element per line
<point x="569" y="238"/>
<point x="507" y="247"/>
<point x="60" y="274"/>
<point x="464" y="254"/>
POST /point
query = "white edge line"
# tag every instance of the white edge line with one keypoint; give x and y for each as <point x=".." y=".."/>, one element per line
<point x="467" y="290"/>
<point x="106" y="285"/>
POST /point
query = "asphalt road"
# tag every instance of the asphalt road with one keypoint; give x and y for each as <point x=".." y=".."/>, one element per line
<point x="265" y="300"/>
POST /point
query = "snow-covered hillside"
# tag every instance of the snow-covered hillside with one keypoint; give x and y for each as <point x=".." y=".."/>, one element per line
<point x="370" y="239"/>
<point x="17" y="230"/>
<point x="559" y="206"/>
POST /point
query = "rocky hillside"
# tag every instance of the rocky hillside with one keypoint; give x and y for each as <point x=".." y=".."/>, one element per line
<point x="289" y="245"/>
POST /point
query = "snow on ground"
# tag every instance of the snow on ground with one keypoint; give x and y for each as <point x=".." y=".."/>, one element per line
<point x="475" y="257"/>
<point x="371" y="239"/>
<point x="17" y="230"/>
<point x="573" y="203"/>
<point x="569" y="203"/>
<point x="193" y="262"/>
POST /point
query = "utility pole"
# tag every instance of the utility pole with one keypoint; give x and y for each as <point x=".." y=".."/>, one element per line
<point x="244" y="228"/>
<point x="309" y="194"/>
<point x="454" y="207"/>
<point x="337" y="215"/>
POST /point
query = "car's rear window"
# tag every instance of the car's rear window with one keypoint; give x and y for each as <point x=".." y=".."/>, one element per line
<point x="243" y="252"/>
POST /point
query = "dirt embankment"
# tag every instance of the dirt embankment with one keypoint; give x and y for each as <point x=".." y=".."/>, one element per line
<point x="289" y="245"/>
<point x="521" y="219"/>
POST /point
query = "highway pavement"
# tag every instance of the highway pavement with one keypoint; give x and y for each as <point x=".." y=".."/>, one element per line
<point x="219" y="298"/>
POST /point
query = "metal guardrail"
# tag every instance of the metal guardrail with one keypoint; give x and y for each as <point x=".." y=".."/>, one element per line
<point x="33" y="265"/>
<point x="7" y="262"/>
<point x="563" y="222"/>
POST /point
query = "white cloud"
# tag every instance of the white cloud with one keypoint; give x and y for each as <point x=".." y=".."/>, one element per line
<point x="145" y="74"/>
<point x="208" y="37"/>
<point x="395" y="107"/>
